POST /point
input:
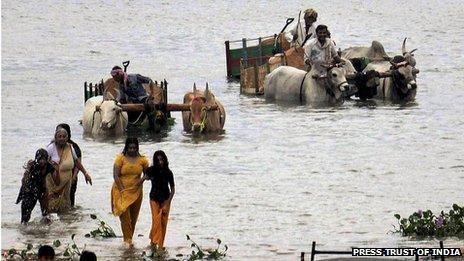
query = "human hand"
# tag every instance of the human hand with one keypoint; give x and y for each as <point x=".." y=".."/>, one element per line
<point x="88" y="178"/>
<point x="295" y="37"/>
<point x="164" y="209"/>
<point x="29" y="164"/>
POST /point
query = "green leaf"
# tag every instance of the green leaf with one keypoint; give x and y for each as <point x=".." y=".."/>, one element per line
<point x="93" y="216"/>
<point x="87" y="235"/>
<point x="188" y="237"/>
<point x="397" y="216"/>
<point x="218" y="241"/>
<point x="72" y="236"/>
<point x="57" y="243"/>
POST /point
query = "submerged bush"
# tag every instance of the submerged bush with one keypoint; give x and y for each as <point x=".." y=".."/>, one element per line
<point x="425" y="223"/>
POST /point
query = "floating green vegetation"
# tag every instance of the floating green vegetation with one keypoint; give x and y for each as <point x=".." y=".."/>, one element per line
<point x="103" y="230"/>
<point x="425" y="223"/>
<point x="198" y="253"/>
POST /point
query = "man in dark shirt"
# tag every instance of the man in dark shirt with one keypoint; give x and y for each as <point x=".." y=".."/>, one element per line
<point x="131" y="90"/>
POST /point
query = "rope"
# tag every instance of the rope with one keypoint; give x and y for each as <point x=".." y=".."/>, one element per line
<point x="301" y="87"/>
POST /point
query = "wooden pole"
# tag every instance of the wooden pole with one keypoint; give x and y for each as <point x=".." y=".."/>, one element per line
<point x="85" y="92"/>
<point x="228" y="59"/>
<point x="169" y="107"/>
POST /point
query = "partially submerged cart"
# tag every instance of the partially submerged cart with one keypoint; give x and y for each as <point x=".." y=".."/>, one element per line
<point x="96" y="89"/>
<point x="248" y="62"/>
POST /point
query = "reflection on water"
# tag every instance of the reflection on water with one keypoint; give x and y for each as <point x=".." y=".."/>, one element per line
<point x="281" y="175"/>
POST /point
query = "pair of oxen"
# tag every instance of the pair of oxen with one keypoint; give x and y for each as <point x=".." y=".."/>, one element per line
<point x="201" y="111"/>
<point x="387" y="78"/>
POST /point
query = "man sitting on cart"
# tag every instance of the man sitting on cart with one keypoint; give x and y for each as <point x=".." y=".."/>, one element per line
<point x="131" y="90"/>
<point x="322" y="49"/>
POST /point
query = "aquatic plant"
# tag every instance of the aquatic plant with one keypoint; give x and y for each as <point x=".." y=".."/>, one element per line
<point x="103" y="230"/>
<point x="24" y="254"/>
<point x="155" y="255"/>
<point x="14" y="254"/>
<point x="425" y="223"/>
<point x="198" y="253"/>
<point x="73" y="250"/>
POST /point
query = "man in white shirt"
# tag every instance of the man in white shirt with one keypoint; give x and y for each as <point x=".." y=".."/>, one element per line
<point x="321" y="49"/>
<point x="297" y="35"/>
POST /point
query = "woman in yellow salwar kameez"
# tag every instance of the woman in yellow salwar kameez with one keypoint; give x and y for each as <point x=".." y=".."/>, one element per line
<point x="162" y="191"/>
<point x="127" y="190"/>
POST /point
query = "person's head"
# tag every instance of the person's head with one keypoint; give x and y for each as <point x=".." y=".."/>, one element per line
<point x="322" y="32"/>
<point x="61" y="137"/>
<point x="310" y="16"/>
<point x="46" y="252"/>
<point x="88" y="256"/>
<point x="66" y="127"/>
<point x="41" y="157"/>
<point x="131" y="147"/>
<point x="160" y="160"/>
<point x="117" y="73"/>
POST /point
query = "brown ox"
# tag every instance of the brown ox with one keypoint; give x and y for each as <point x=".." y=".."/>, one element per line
<point x="202" y="117"/>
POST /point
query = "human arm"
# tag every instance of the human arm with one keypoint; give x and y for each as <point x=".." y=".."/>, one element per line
<point x="333" y="52"/>
<point x="117" y="176"/>
<point x="171" y="195"/>
<point x="122" y="94"/>
<point x="78" y="164"/>
<point x="142" y="179"/>
<point x="307" y="54"/>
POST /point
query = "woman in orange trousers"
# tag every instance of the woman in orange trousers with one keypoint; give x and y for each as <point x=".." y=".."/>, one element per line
<point x="162" y="191"/>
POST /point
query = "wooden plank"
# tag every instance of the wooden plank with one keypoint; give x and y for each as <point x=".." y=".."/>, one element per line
<point x="169" y="107"/>
<point x="260" y="52"/>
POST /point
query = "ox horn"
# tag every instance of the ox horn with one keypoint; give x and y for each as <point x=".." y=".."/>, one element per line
<point x="403" y="48"/>
<point x="415" y="70"/>
<point x="194" y="87"/>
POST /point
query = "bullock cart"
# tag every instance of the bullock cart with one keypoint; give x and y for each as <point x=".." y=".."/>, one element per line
<point x="92" y="90"/>
<point x="249" y="62"/>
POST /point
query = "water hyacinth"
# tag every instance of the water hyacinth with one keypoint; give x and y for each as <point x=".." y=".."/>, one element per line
<point x="425" y="223"/>
<point x="440" y="221"/>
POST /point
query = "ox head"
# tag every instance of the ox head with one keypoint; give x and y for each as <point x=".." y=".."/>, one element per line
<point x="409" y="56"/>
<point x="109" y="111"/>
<point x="336" y="78"/>
<point x="199" y="109"/>
<point x="403" y="74"/>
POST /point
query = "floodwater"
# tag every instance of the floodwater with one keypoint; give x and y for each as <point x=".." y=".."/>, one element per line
<point x="281" y="176"/>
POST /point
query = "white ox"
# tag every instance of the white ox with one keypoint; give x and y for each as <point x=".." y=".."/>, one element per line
<point x="287" y="83"/>
<point x="103" y="117"/>
<point x="375" y="51"/>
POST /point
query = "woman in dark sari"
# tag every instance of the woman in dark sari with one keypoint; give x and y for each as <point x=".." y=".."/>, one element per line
<point x="33" y="185"/>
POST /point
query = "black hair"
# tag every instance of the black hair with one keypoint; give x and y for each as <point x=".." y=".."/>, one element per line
<point x="66" y="127"/>
<point x="40" y="154"/>
<point x="116" y="67"/>
<point x="163" y="156"/>
<point x="46" y="250"/>
<point x="321" y="27"/>
<point x="131" y="140"/>
<point x="88" y="256"/>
